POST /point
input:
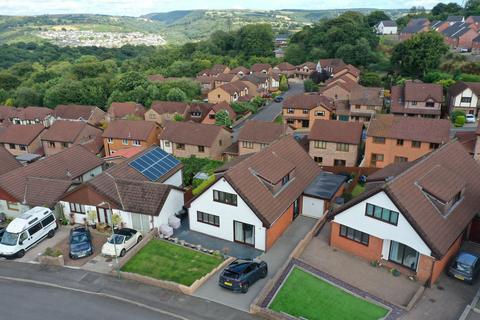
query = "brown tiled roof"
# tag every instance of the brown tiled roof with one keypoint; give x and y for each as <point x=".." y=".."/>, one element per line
<point x="433" y="182"/>
<point x="238" y="69"/>
<point x="225" y="106"/>
<point x="7" y="161"/>
<point x="218" y="68"/>
<point x="70" y="131"/>
<point x="21" y="134"/>
<point x="232" y="87"/>
<point x="120" y="110"/>
<point x="460" y="86"/>
<point x="258" y="67"/>
<point x="225" y="77"/>
<point x="33" y="113"/>
<point x="343" y="81"/>
<point x="198" y="108"/>
<point x="191" y="133"/>
<point x="419" y="91"/>
<point x="129" y="129"/>
<point x="334" y="63"/>
<point x="336" y="131"/>
<point x="468" y="139"/>
<point x="75" y="112"/>
<point x="309" y="65"/>
<point x="410" y="128"/>
<point x="127" y="189"/>
<point x="44" y="191"/>
<point x="267" y="206"/>
<point x="285" y="66"/>
<point x="205" y="79"/>
<point x="391" y="171"/>
<point x="262" y="131"/>
<point x="67" y="165"/>
<point x="6" y="113"/>
<point x="308" y="101"/>
<point x="439" y="230"/>
<point x="351" y="69"/>
<point x="162" y="107"/>
<point x="366" y="96"/>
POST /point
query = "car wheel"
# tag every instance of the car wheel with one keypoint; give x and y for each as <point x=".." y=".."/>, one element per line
<point x="139" y="239"/>
<point x="264" y="273"/>
<point x="50" y="234"/>
<point x="123" y="252"/>
<point x="245" y="287"/>
<point x="20" y="253"/>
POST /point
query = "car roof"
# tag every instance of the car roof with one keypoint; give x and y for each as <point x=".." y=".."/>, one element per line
<point x="79" y="230"/>
<point x="467" y="258"/>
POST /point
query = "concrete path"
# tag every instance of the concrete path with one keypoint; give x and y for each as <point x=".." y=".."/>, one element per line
<point x="275" y="258"/>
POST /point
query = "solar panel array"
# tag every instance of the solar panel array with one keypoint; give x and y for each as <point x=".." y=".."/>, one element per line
<point x="154" y="164"/>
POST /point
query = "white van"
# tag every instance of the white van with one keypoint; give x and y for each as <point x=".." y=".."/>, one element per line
<point x="26" y="231"/>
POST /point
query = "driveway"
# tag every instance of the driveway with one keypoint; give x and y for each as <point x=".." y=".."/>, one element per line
<point x="61" y="236"/>
<point x="98" y="239"/>
<point x="275" y="257"/>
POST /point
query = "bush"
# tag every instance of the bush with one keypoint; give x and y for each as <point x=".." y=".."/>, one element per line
<point x="310" y="86"/>
<point x="205" y="184"/>
<point x="459" y="121"/>
<point x="194" y="165"/>
<point x="52" y="252"/>
<point x="178" y="118"/>
<point x="455" y="114"/>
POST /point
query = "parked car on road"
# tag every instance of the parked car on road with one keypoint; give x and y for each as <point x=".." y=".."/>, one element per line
<point x="465" y="267"/>
<point x="470" y="118"/>
<point x="278" y="99"/>
<point x="120" y="242"/>
<point x="239" y="275"/>
<point x="27" y="230"/>
<point x="80" y="243"/>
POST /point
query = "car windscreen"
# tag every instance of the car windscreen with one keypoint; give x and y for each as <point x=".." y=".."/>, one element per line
<point x="116" y="239"/>
<point x="462" y="267"/>
<point x="10" y="239"/>
<point x="78" y="238"/>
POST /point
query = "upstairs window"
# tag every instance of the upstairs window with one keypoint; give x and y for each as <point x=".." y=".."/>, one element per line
<point x="180" y="146"/>
<point x="247" y="144"/>
<point x="466" y="99"/>
<point x="342" y="147"/>
<point x="434" y="145"/>
<point x="125" y="142"/>
<point x="136" y="142"/>
<point x="320" y="144"/>
<point x="225" y="197"/>
<point x="51" y="144"/>
<point x="399" y="142"/>
<point x="201" y="149"/>
<point x="382" y="214"/>
<point x="416" y="144"/>
<point x="290" y="110"/>
<point x="379" y="140"/>
<point x="320" y="113"/>
<point x="305" y="111"/>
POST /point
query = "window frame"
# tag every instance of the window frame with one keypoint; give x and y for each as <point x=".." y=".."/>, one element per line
<point x="125" y="142"/>
<point x="344" y="233"/>
<point x="342" y="147"/>
<point x="204" y="217"/>
<point x="320" y="144"/>
<point x="414" y="144"/>
<point x="13" y="206"/>
<point x="381" y="216"/>
<point x="400" y="142"/>
<point x="201" y="149"/>
<point x="180" y="146"/>
<point x="221" y="197"/>
<point x="378" y="140"/>
<point x="77" y="208"/>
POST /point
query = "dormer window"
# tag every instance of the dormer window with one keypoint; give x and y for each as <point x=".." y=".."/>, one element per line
<point x="430" y="104"/>
<point x="414" y="103"/>
<point x="285" y="179"/>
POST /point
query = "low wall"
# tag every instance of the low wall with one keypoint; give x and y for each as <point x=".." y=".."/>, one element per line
<point x="51" y="261"/>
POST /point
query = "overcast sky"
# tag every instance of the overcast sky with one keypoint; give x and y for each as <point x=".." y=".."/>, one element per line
<point x="139" y="7"/>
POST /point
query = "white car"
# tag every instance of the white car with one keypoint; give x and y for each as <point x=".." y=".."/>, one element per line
<point x="120" y="242"/>
<point x="470" y="118"/>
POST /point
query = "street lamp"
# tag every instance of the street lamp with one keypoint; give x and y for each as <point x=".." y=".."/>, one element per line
<point x="113" y="234"/>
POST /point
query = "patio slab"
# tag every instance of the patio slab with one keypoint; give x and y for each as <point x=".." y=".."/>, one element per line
<point x="229" y="248"/>
<point x="358" y="272"/>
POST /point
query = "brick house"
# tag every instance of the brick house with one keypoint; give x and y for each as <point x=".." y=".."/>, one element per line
<point x="393" y="139"/>
<point x="365" y="102"/>
<point x="285" y="68"/>
<point x="124" y="134"/>
<point x="414" y="219"/>
<point x="474" y="22"/>
<point x="300" y="111"/>
<point x="413" y="27"/>
<point x="73" y="112"/>
<point x="347" y="71"/>
<point x="123" y="110"/>
<point x="229" y="92"/>
<point x="22" y="139"/>
<point x="210" y="117"/>
<point x="261" y="68"/>
<point x="187" y="139"/>
<point x="335" y="143"/>
<point x="64" y="134"/>
<point x="223" y="78"/>
<point x="418" y="99"/>
<point x="163" y="111"/>
<point x="459" y="35"/>
<point x="340" y="88"/>
<point x="32" y="115"/>
<point x="304" y="70"/>
<point x="214" y="71"/>
<point x="240" y="72"/>
<point x="257" y="135"/>
<point x="255" y="199"/>
<point x="463" y="96"/>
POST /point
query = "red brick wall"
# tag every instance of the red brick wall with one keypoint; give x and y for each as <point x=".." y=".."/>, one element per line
<point x="440" y="265"/>
<point x="279" y="226"/>
<point x="371" y="252"/>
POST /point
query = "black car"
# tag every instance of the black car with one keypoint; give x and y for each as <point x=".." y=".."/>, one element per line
<point x="278" y="99"/>
<point x="241" y="274"/>
<point x="465" y="267"/>
<point x="80" y="243"/>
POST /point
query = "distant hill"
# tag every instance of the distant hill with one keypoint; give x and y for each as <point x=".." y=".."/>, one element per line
<point x="175" y="26"/>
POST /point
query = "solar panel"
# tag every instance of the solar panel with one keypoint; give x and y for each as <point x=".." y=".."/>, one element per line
<point x="154" y="164"/>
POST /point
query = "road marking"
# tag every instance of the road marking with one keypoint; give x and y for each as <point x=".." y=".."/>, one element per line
<point x="138" y="304"/>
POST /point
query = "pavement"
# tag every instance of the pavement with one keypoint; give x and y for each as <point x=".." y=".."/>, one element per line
<point x="275" y="258"/>
<point x="50" y="292"/>
<point x="271" y="111"/>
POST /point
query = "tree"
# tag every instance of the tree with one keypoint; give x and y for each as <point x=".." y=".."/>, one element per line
<point x="441" y="11"/>
<point x="370" y="79"/>
<point x="320" y="77"/>
<point x="295" y="54"/>
<point x="375" y="17"/>
<point x="283" y="85"/>
<point x="255" y="40"/>
<point x="222" y="118"/>
<point x="419" y="54"/>
<point x="176" y="94"/>
<point x="8" y="81"/>
<point x="310" y="86"/>
<point x="472" y="7"/>
<point x="26" y="96"/>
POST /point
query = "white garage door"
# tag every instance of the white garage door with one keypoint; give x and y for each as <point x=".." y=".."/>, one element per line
<point x="312" y="207"/>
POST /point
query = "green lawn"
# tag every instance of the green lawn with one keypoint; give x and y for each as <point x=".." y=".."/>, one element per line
<point x="304" y="295"/>
<point x="358" y="190"/>
<point x="166" y="261"/>
<point x="278" y="119"/>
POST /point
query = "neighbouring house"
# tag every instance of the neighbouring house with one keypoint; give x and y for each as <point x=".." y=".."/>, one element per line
<point x="386" y="27"/>
<point x="240" y="71"/>
<point x="261" y="68"/>
<point x="255" y="198"/>
<point x="459" y="35"/>
<point x="456" y="19"/>
<point x="124" y="134"/>
<point x="321" y="193"/>
<point x="187" y="139"/>
<point x="163" y="111"/>
<point x="229" y="92"/>
<point x="8" y="161"/>
<point x="347" y="71"/>
<point x="330" y="65"/>
<point x="22" y="139"/>
<point x="260" y="80"/>
<point x="223" y="78"/>
<point x="64" y="134"/>
<point x="6" y="113"/>
<point x="474" y="22"/>
<point x="340" y="88"/>
<point x="414" y="26"/>
<point x="439" y="26"/>
<point x="414" y="219"/>
<point x="285" y="68"/>
<point x="145" y="191"/>
<point x="365" y="102"/>
<point x="210" y="117"/>
<point x="90" y="114"/>
<point x="258" y="135"/>
<point x="335" y="143"/>
<point x="44" y="182"/>
<point x="417" y="99"/>
<point x="32" y="115"/>
<point x="393" y="139"/>
<point x="300" y="111"/>
<point x="207" y="83"/>
<point x="305" y="70"/>
<point x="122" y="155"/>
<point x="279" y="53"/>
<point x="214" y="71"/>
<point x="125" y="110"/>
<point x="463" y="96"/>
<point x="273" y="81"/>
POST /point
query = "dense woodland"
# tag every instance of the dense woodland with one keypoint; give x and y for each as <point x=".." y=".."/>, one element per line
<point x="47" y="75"/>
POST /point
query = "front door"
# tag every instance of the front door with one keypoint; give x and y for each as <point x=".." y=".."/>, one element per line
<point x="104" y="216"/>
<point x="404" y="255"/>
<point x="244" y="233"/>
<point x="296" y="208"/>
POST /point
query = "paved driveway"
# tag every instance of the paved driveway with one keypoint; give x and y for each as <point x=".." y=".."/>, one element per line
<point x="61" y="236"/>
<point x="275" y="258"/>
